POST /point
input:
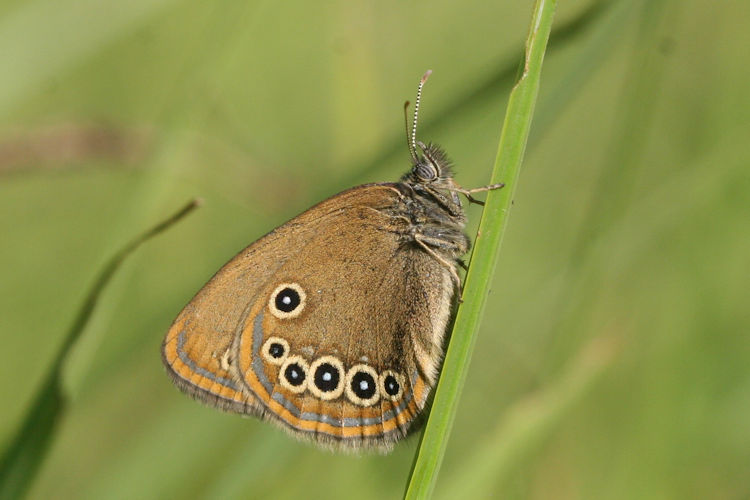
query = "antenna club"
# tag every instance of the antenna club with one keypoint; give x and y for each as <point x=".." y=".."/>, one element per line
<point x="425" y="76"/>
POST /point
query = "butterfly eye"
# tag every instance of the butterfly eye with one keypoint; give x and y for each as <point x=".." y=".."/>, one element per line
<point x="327" y="378"/>
<point x="391" y="385"/>
<point x="425" y="171"/>
<point x="287" y="301"/>
<point x="362" y="385"/>
<point x="293" y="374"/>
<point x="275" y="350"/>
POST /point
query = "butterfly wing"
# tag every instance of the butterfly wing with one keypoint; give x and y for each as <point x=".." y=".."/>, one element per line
<point x="330" y="326"/>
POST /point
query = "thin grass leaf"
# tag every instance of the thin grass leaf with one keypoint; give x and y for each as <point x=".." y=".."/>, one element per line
<point x="484" y="257"/>
<point x="25" y="452"/>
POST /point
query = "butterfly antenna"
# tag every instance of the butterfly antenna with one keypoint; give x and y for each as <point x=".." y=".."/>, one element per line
<point x="406" y="127"/>
<point x="413" y="142"/>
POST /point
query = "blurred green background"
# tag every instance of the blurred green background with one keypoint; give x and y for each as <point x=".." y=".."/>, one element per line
<point x="614" y="358"/>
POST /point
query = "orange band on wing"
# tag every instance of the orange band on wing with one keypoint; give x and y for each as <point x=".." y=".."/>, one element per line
<point x="192" y="368"/>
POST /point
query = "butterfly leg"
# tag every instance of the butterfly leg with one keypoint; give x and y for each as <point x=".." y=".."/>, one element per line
<point x="425" y="242"/>
<point x="468" y="192"/>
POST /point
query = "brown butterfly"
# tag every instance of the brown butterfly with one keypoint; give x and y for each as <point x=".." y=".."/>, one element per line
<point x="332" y="325"/>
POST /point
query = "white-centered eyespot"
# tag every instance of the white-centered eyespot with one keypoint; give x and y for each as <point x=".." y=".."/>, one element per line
<point x="362" y="385"/>
<point x="293" y="374"/>
<point x="287" y="301"/>
<point x="327" y="378"/>
<point x="275" y="350"/>
<point x="391" y="385"/>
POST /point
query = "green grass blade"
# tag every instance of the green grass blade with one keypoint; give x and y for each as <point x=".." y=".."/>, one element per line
<point x="484" y="258"/>
<point x="26" y="450"/>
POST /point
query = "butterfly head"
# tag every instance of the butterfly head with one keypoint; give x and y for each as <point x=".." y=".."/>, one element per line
<point x="432" y="166"/>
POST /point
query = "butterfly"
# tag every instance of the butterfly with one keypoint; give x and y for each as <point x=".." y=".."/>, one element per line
<point x="332" y="325"/>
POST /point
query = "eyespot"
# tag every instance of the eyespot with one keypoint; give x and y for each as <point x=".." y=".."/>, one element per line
<point x="362" y="385"/>
<point x="275" y="350"/>
<point x="327" y="375"/>
<point x="287" y="301"/>
<point x="391" y="385"/>
<point x="293" y="374"/>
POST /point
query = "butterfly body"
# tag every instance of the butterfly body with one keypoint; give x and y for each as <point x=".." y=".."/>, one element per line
<point x="332" y="325"/>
